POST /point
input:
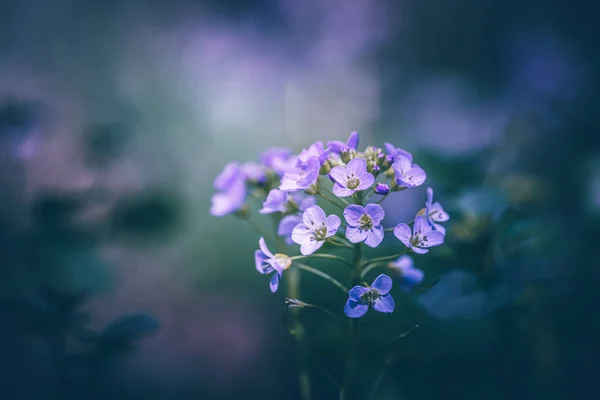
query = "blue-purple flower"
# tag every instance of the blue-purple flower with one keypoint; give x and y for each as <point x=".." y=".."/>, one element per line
<point x="435" y="213"/>
<point x="421" y="237"/>
<point x="364" y="224"/>
<point x="393" y="152"/>
<point x="408" y="174"/>
<point x="316" y="226"/>
<point x="279" y="160"/>
<point x="338" y="147"/>
<point x="351" y="178"/>
<point x="254" y="172"/>
<point x="276" y="201"/>
<point x="410" y="276"/>
<point x="316" y="150"/>
<point x="267" y="262"/>
<point x="231" y="194"/>
<point x="377" y="296"/>
<point x="289" y="222"/>
<point x="382" y="188"/>
<point x="301" y="176"/>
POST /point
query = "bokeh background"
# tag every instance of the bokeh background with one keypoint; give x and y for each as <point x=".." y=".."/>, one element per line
<point x="116" y="116"/>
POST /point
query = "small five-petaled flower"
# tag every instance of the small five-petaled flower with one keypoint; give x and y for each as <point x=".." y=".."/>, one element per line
<point x="421" y="237"/>
<point x="377" y="296"/>
<point x="314" y="229"/>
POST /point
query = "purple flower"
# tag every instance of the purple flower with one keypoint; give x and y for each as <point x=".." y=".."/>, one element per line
<point x="337" y="147"/>
<point x="364" y="224"/>
<point x="267" y="262"/>
<point x="254" y="172"/>
<point x="410" y="275"/>
<point x="316" y="227"/>
<point x="393" y="152"/>
<point x="408" y="174"/>
<point x="315" y="150"/>
<point x="382" y="188"/>
<point x="232" y="191"/>
<point x="435" y="213"/>
<point x="279" y="160"/>
<point x="276" y="201"/>
<point x="230" y="173"/>
<point x="289" y="222"/>
<point x="377" y="296"/>
<point x="301" y="176"/>
<point x="421" y="237"/>
<point x="351" y="178"/>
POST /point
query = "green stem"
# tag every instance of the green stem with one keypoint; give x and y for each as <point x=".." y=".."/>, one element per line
<point x="334" y="241"/>
<point x="370" y="267"/>
<point x="352" y="356"/>
<point x="385" y="258"/>
<point x="329" y="256"/>
<point x="335" y="203"/>
<point x="323" y="275"/>
<point x="293" y="290"/>
<point x="333" y="194"/>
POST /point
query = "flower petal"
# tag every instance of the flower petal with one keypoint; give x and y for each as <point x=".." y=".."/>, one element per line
<point x="336" y="146"/>
<point x="376" y="212"/>
<point x="435" y="238"/>
<point x="438" y="214"/>
<point x="355" y="235"/>
<point x="417" y="174"/>
<point x="354" y="309"/>
<point x="419" y="250"/>
<point x="356" y="292"/>
<point x="274" y="283"/>
<point x="403" y="233"/>
<point x="338" y="174"/>
<point x="374" y="236"/>
<point x="259" y="258"/>
<point x="332" y="223"/>
<point x="229" y="173"/>
<point x="440" y="229"/>
<point x="264" y="248"/>
<point x="233" y="199"/>
<point x="366" y="180"/>
<point x="411" y="277"/>
<point x="384" y="304"/>
<point x="421" y="226"/>
<point x="342" y="191"/>
<point x="352" y="214"/>
<point x="310" y="247"/>
<point x="356" y="166"/>
<point x="401" y="164"/>
<point x="313" y="216"/>
<point x="287" y="224"/>
<point x="403" y="263"/>
<point x="382" y="284"/>
<point x="302" y="234"/>
<point x="353" y="140"/>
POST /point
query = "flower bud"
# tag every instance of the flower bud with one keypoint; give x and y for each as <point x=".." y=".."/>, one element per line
<point x="325" y="168"/>
<point x="294" y="303"/>
<point x="382" y="189"/>
<point x="313" y="189"/>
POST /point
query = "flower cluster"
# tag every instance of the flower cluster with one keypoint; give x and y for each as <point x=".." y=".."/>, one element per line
<point x="356" y="181"/>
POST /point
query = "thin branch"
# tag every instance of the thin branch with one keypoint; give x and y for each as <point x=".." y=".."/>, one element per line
<point x="323" y="275"/>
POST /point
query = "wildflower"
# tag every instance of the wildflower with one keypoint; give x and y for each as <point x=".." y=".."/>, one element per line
<point x="289" y="222"/>
<point x="301" y="177"/>
<point x="315" y="150"/>
<point x="364" y="224"/>
<point x="422" y="236"/>
<point x="276" y="201"/>
<point x="377" y="296"/>
<point x="338" y="147"/>
<point x="314" y="229"/>
<point x="267" y="262"/>
<point x="393" y="152"/>
<point x="232" y="191"/>
<point x="279" y="160"/>
<point x="382" y="188"/>
<point x="254" y="172"/>
<point x="434" y="213"/>
<point x="408" y="174"/>
<point x="410" y="275"/>
<point x="351" y="178"/>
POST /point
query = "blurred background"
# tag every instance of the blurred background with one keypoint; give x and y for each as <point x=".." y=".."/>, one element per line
<point x="116" y="116"/>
